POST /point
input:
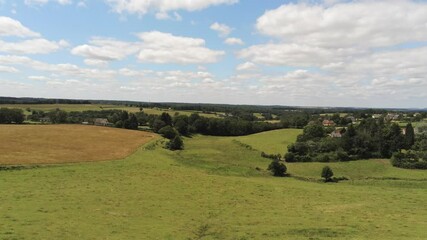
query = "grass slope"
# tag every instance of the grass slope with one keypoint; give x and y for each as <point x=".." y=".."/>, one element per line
<point x="208" y="191"/>
<point x="33" y="144"/>
<point x="271" y="142"/>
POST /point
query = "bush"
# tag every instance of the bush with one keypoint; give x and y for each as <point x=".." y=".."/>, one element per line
<point x="168" y="132"/>
<point x="277" y="168"/>
<point x="290" y="157"/>
<point x="176" y="144"/>
<point x="327" y="173"/>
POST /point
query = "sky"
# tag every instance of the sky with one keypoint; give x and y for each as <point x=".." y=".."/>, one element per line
<point x="296" y="53"/>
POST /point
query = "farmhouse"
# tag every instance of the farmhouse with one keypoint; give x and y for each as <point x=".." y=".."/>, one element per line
<point x="328" y="123"/>
<point x="101" y="122"/>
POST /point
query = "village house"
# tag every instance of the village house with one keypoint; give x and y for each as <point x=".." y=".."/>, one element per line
<point x="101" y="122"/>
<point x="328" y="123"/>
<point x="45" y="120"/>
<point x="392" y="117"/>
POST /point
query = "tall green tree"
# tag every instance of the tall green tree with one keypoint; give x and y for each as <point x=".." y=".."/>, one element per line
<point x="409" y="136"/>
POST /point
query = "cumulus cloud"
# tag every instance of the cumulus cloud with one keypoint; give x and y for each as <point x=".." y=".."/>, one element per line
<point x="352" y="24"/>
<point x="159" y="47"/>
<point x="42" y="2"/>
<point x="8" y="69"/>
<point x="142" y="7"/>
<point x="234" y="41"/>
<point x="12" y="27"/>
<point x="247" y="66"/>
<point x="100" y="51"/>
<point x="153" y="47"/>
<point x="222" y="29"/>
<point x="295" y="54"/>
<point x="360" y="50"/>
<point x="33" y="46"/>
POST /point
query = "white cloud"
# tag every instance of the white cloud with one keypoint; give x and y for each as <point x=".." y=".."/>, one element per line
<point x="32" y="46"/>
<point x="351" y="24"/>
<point x="100" y="51"/>
<point x="8" y="69"/>
<point x="12" y="27"/>
<point x="222" y="29"/>
<point x="247" y="66"/>
<point x="234" y="41"/>
<point x="42" y="2"/>
<point x="154" y="47"/>
<point x="167" y="16"/>
<point x="142" y="7"/>
<point x="159" y="47"/>
<point x="297" y="55"/>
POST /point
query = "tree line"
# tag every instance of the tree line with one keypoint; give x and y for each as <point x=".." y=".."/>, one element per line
<point x="372" y="138"/>
<point x="10" y="115"/>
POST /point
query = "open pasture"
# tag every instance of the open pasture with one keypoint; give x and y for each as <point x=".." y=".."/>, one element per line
<point x="47" y="144"/>
<point x="271" y="142"/>
<point x="217" y="188"/>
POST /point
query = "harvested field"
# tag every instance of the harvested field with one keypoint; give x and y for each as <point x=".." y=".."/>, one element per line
<point x="49" y="144"/>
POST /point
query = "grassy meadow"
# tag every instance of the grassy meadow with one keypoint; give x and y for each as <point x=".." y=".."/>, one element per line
<point x="271" y="142"/>
<point x="217" y="188"/>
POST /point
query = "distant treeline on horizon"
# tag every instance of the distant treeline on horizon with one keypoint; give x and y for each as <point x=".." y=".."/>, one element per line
<point x="204" y="107"/>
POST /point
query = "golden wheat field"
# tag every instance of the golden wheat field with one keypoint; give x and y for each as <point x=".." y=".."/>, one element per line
<point x="50" y="144"/>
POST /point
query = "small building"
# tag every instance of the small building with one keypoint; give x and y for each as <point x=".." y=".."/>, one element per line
<point x="392" y="117"/>
<point x="337" y="133"/>
<point x="328" y="123"/>
<point x="45" y="120"/>
<point x="101" y="122"/>
<point x="376" y="116"/>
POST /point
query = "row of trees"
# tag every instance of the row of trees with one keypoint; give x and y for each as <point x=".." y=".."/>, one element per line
<point x="9" y="116"/>
<point x="230" y="126"/>
<point x="370" y="139"/>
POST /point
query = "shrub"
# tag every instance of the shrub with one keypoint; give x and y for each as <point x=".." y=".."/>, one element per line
<point x="175" y="144"/>
<point x="277" y="168"/>
<point x="327" y="173"/>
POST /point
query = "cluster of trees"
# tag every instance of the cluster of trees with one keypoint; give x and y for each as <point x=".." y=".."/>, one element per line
<point x="230" y="126"/>
<point x="9" y="115"/>
<point x="416" y="156"/>
<point x="172" y="129"/>
<point x="295" y="119"/>
<point x="370" y="139"/>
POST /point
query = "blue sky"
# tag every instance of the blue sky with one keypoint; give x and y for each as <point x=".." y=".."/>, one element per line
<point x="305" y="53"/>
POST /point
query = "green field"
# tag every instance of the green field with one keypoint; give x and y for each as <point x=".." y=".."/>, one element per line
<point x="211" y="190"/>
<point x="271" y="142"/>
<point x="98" y="107"/>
